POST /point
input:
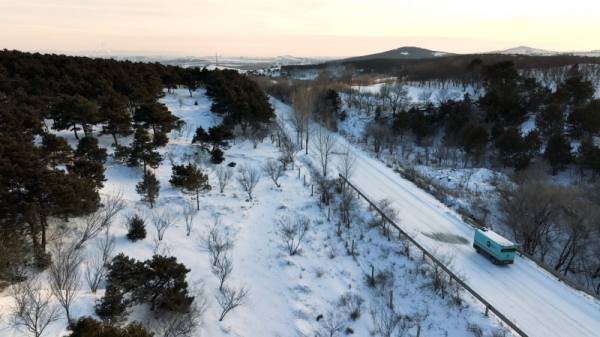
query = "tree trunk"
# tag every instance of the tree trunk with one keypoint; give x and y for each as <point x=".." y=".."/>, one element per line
<point x="197" y="200"/>
<point x="306" y="146"/>
<point x="44" y="223"/>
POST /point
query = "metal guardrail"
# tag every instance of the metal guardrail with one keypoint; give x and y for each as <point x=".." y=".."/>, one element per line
<point x="453" y="277"/>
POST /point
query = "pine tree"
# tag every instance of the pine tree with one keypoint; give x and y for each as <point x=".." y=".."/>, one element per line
<point x="88" y="161"/>
<point x="137" y="229"/>
<point x="588" y="157"/>
<point x="113" y="109"/>
<point x="558" y="152"/>
<point x="216" y="156"/>
<point x="148" y="188"/>
<point x="89" y="170"/>
<point x="191" y="179"/>
<point x="70" y="111"/>
<point x="164" y="285"/>
<point x="551" y="120"/>
<point x="56" y="150"/>
<point x="585" y="120"/>
<point x="89" y="327"/>
<point x="200" y="136"/>
<point x="575" y="90"/>
<point x="112" y="306"/>
<point x="143" y="150"/>
<point x="156" y="116"/>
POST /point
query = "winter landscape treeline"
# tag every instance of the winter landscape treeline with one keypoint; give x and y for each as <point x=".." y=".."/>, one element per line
<point x="42" y="177"/>
<point x="540" y="140"/>
<point x="541" y="127"/>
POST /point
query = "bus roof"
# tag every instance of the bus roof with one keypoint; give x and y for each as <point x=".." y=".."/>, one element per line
<point x="497" y="238"/>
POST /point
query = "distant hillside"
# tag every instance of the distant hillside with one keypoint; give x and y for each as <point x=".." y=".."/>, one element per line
<point x="403" y="53"/>
<point x="524" y="50"/>
<point x="454" y="66"/>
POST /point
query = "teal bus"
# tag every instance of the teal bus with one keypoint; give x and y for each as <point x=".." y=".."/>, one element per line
<point x="497" y="248"/>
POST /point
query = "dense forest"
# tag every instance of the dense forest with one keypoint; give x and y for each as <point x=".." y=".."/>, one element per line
<point x="42" y="177"/>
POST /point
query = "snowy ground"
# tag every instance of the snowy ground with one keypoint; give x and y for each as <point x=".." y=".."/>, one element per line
<point x="529" y="296"/>
<point x="286" y="293"/>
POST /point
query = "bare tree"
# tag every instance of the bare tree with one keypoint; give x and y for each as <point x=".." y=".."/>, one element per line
<point x="347" y="163"/>
<point x="288" y="150"/>
<point x="530" y="210"/>
<point x="222" y="268"/>
<point x="274" y="170"/>
<point x="379" y="132"/>
<point x="332" y="324"/>
<point x="230" y="298"/>
<point x="224" y="175"/>
<point x="398" y="97"/>
<point x="98" y="261"/>
<point x="93" y="224"/>
<point x="217" y="243"/>
<point x="293" y="232"/>
<point x="384" y="93"/>
<point x="162" y="220"/>
<point x="346" y="207"/>
<point x="189" y="213"/>
<point x="385" y="320"/>
<point x="385" y="206"/>
<point x="576" y="224"/>
<point x="303" y="102"/>
<point x="64" y="275"/>
<point x="248" y="177"/>
<point x="325" y="143"/>
<point x="33" y="309"/>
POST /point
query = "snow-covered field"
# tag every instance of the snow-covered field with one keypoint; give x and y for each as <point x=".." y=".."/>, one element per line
<point x="537" y="302"/>
<point x="286" y="294"/>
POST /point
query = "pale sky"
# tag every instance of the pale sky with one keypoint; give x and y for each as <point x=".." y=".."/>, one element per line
<point x="294" y="27"/>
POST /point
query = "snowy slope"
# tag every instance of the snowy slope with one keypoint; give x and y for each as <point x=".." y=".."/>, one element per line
<point x="286" y="293"/>
<point x="534" y="300"/>
<point x="523" y="50"/>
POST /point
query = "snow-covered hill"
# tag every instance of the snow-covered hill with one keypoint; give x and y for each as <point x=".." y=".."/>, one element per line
<point x="286" y="293"/>
<point x="524" y="50"/>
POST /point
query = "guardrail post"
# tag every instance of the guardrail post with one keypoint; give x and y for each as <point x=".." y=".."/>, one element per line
<point x="487" y="308"/>
<point x="419" y="330"/>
